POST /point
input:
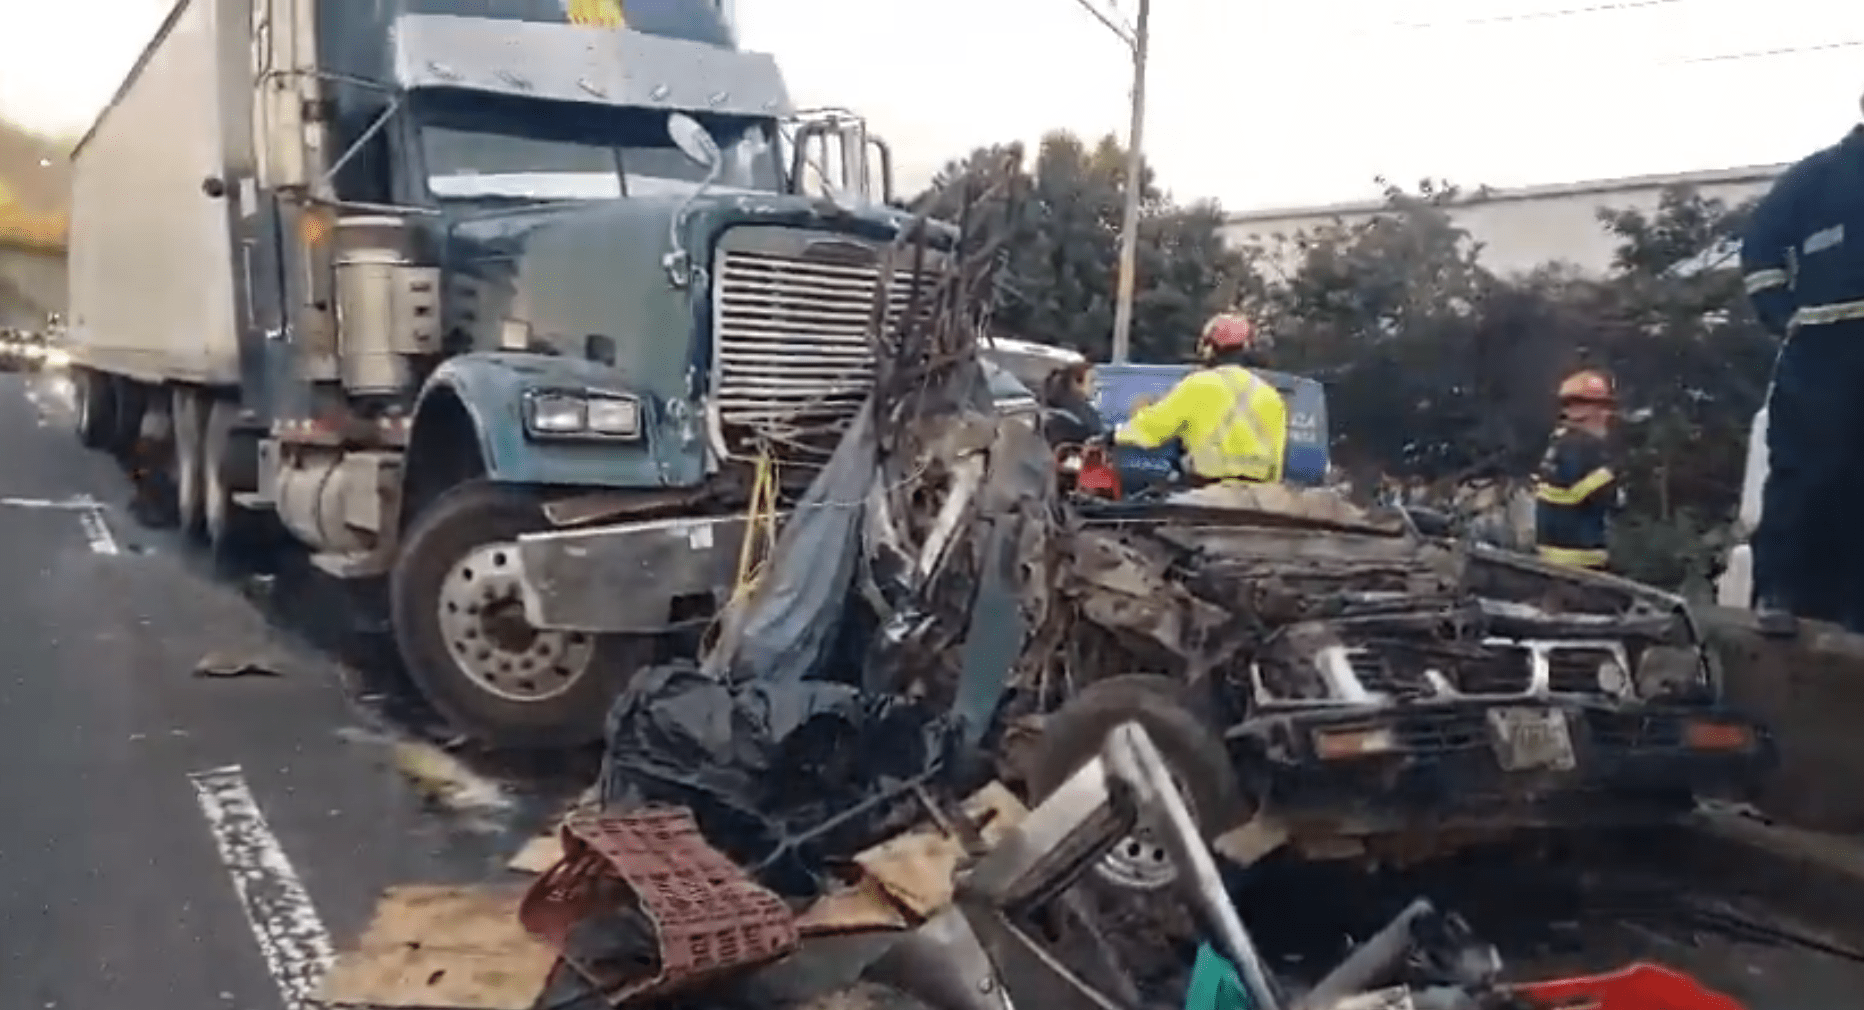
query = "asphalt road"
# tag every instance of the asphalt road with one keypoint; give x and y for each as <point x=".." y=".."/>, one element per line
<point x="168" y="840"/>
<point x="174" y="841"/>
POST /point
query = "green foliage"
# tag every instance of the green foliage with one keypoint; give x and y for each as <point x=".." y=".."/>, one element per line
<point x="1061" y="221"/>
<point x="1438" y="371"/>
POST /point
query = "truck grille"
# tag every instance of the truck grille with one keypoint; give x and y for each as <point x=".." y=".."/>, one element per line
<point x="791" y="348"/>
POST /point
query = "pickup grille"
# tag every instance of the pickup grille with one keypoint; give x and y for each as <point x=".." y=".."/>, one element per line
<point x="791" y="350"/>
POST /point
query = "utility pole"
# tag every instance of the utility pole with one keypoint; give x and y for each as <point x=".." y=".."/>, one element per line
<point x="1135" y="164"/>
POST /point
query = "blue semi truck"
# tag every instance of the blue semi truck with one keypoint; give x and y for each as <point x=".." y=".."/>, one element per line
<point x="495" y="303"/>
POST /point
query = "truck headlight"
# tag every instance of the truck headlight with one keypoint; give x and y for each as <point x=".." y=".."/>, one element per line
<point x="614" y="416"/>
<point x="557" y="414"/>
<point x="569" y="415"/>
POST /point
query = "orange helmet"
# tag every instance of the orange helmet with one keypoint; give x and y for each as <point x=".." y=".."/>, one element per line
<point x="1226" y="331"/>
<point x="1587" y="386"/>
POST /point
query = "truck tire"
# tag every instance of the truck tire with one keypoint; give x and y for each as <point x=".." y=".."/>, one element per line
<point x="129" y="399"/>
<point x="230" y="465"/>
<point x="459" y="624"/>
<point x="188" y="410"/>
<point x="95" y="416"/>
<point x="1192" y="747"/>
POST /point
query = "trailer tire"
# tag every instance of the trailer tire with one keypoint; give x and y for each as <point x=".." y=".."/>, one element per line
<point x="1193" y="749"/>
<point x="478" y="663"/>
<point x="94" y="418"/>
<point x="129" y="400"/>
<point x="188" y="410"/>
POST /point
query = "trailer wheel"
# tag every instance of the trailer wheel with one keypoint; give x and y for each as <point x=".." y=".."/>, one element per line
<point x="1193" y="749"/>
<point x="96" y="406"/>
<point x="188" y="411"/>
<point x="459" y="622"/>
<point x="129" y="400"/>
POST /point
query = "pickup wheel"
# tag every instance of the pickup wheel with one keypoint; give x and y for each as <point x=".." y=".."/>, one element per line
<point x="459" y="621"/>
<point x="95" y="417"/>
<point x="1193" y="749"/>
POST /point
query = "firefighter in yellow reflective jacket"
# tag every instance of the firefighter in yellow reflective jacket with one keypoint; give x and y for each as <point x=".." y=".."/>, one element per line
<point x="1577" y="492"/>
<point x="1233" y="424"/>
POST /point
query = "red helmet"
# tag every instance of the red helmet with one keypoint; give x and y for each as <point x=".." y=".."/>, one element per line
<point x="1586" y="386"/>
<point x="1227" y="331"/>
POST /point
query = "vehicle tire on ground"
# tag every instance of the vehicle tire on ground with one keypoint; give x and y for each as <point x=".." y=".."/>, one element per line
<point x="459" y="624"/>
<point x="1193" y="749"/>
<point x="129" y="399"/>
<point x="230" y="466"/>
<point x="188" y="410"/>
<point x="95" y="407"/>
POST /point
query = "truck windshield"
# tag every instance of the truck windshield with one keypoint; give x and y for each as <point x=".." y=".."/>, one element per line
<point x="552" y="151"/>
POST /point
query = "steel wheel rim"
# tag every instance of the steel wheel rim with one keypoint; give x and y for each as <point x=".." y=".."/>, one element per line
<point x="481" y="620"/>
<point x="1139" y="861"/>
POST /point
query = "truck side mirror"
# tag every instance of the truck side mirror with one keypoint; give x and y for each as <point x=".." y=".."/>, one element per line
<point x="214" y="186"/>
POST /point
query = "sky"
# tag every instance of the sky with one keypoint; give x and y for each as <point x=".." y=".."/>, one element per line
<point x="1255" y="104"/>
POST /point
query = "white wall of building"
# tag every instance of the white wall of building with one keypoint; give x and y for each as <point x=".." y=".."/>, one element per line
<point x="1524" y="228"/>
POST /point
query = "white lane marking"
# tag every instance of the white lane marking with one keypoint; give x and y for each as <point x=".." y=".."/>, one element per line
<point x="291" y="937"/>
<point x="81" y="502"/>
<point x="91" y="514"/>
<point x="97" y="531"/>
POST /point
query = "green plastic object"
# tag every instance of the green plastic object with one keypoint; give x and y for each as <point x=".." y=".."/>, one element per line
<point x="1214" y="983"/>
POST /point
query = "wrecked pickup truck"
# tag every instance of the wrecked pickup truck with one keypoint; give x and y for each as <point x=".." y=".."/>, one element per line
<point x="1332" y="680"/>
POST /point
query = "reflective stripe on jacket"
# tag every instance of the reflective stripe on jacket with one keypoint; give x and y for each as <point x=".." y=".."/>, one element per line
<point x="1233" y="425"/>
<point x="1802" y="255"/>
<point x="1574" y="497"/>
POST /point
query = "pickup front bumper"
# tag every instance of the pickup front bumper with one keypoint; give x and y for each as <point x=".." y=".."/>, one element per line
<point x="1550" y="762"/>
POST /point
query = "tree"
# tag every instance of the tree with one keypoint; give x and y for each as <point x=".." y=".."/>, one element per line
<point x="1061" y="273"/>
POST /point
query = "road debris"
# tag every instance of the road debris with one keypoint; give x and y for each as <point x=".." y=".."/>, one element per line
<point x="223" y="664"/>
<point x="641" y="906"/>
<point x="461" y="948"/>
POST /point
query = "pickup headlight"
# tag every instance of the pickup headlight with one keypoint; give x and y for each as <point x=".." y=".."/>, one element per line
<point x="554" y="414"/>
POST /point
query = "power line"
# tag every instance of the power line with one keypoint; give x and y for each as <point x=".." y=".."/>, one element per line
<point x="1545" y="15"/>
<point x="1758" y="54"/>
<point x="1115" y="22"/>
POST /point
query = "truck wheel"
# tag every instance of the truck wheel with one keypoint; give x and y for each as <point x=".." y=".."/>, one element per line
<point x="188" y="413"/>
<point x="1193" y="749"/>
<point x="459" y="622"/>
<point x="230" y="465"/>
<point x="96" y="406"/>
<point x="128" y="400"/>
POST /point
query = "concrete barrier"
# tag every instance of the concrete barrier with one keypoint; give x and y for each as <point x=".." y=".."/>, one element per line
<point x="1810" y="689"/>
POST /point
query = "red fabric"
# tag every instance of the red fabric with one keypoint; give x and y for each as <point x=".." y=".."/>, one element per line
<point x="1096" y="477"/>
<point x="1642" y="986"/>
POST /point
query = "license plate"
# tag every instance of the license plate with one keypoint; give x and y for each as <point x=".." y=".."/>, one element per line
<point x="1532" y="739"/>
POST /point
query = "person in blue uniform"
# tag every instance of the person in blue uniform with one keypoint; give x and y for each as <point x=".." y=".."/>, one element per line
<point x="1576" y="490"/>
<point x="1802" y="259"/>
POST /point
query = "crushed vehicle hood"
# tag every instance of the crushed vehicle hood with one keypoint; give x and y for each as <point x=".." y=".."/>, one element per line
<point x="1312" y="600"/>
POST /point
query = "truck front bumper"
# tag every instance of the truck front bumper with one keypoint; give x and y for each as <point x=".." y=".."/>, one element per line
<point x="628" y="578"/>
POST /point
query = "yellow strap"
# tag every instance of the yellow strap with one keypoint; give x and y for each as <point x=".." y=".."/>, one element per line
<point x="1578" y="493"/>
<point x="760" y="525"/>
<point x="1576" y="557"/>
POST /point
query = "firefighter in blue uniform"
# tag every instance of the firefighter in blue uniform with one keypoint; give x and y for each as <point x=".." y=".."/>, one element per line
<point x="1576" y="491"/>
<point x="1803" y="262"/>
